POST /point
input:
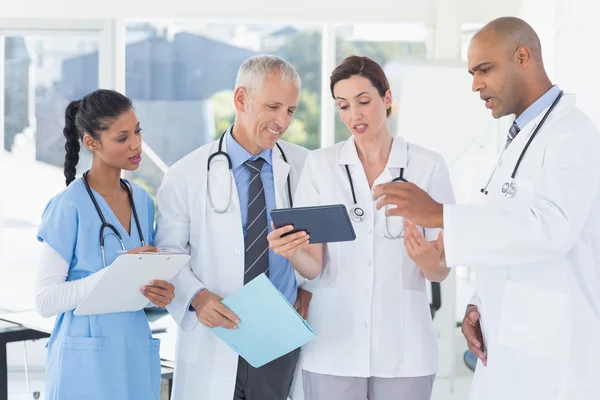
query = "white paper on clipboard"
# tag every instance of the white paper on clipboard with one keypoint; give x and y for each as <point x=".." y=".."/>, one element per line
<point x="119" y="288"/>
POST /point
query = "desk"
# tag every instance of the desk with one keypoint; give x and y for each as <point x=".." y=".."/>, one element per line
<point x="9" y="334"/>
<point x="29" y="325"/>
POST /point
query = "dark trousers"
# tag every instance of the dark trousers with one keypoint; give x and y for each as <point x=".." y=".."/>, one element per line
<point x="272" y="381"/>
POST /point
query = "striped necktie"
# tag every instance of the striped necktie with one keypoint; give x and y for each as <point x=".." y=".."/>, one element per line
<point x="256" y="260"/>
<point x="512" y="133"/>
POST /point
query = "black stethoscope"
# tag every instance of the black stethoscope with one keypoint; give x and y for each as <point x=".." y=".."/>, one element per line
<point x="358" y="214"/>
<point x="220" y="152"/>
<point x="105" y="224"/>
<point x="509" y="189"/>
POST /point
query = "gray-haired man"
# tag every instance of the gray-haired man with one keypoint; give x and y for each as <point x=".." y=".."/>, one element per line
<point x="224" y="228"/>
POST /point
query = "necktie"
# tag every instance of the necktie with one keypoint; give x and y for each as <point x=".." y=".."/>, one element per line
<point x="512" y="133"/>
<point x="256" y="259"/>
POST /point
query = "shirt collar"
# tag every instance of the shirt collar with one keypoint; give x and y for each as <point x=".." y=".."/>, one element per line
<point x="537" y="107"/>
<point x="397" y="159"/>
<point x="240" y="155"/>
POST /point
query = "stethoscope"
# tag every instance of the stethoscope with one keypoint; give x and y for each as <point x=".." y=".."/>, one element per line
<point x="509" y="189"/>
<point x="220" y="152"/>
<point x="105" y="224"/>
<point x="358" y="214"/>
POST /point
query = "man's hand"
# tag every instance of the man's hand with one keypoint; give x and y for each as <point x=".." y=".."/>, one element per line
<point x="302" y="302"/>
<point x="471" y="329"/>
<point x="212" y="313"/>
<point x="411" y="202"/>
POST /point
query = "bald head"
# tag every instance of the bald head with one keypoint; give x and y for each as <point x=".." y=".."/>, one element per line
<point x="510" y="33"/>
<point x="505" y="59"/>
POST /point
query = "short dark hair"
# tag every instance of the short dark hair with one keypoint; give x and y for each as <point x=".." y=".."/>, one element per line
<point x="365" y="67"/>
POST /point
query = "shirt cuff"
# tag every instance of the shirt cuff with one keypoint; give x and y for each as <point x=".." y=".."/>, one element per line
<point x="190" y="308"/>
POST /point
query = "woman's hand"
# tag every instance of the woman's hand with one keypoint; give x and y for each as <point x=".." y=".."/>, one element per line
<point x="429" y="256"/>
<point x="289" y="245"/>
<point x="160" y="293"/>
<point x="143" y="249"/>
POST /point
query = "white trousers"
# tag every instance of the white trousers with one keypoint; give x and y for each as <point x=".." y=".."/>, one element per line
<point x="328" y="387"/>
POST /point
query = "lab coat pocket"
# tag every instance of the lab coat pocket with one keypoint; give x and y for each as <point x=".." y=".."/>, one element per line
<point x="155" y="366"/>
<point x="85" y="368"/>
<point x="534" y="320"/>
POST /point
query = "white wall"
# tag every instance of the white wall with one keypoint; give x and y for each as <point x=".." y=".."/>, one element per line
<point x="576" y="49"/>
<point x="569" y="31"/>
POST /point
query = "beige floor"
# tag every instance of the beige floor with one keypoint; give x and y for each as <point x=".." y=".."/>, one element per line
<point x="441" y="390"/>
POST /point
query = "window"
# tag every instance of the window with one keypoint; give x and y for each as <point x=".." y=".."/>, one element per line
<point x="42" y="74"/>
<point x="181" y="76"/>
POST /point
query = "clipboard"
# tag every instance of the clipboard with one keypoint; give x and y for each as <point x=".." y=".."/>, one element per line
<point x="119" y="288"/>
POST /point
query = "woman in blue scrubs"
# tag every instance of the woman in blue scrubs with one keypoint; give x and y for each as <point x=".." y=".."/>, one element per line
<point x="108" y="356"/>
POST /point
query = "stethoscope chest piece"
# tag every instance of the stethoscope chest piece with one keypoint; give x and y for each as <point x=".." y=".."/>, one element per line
<point x="357" y="214"/>
<point x="509" y="189"/>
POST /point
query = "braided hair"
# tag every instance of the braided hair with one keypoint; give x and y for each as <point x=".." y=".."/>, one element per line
<point x="92" y="114"/>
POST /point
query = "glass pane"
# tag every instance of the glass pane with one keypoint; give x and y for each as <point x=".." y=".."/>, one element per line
<point x="181" y="77"/>
<point x="42" y="75"/>
<point x="384" y="44"/>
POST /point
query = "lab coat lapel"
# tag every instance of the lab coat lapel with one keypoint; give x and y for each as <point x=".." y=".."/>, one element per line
<point x="521" y="140"/>
<point x="281" y="170"/>
<point x="397" y="159"/>
<point x="349" y="156"/>
<point x="518" y="143"/>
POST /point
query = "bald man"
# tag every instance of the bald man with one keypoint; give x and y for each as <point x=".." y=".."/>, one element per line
<point x="535" y="319"/>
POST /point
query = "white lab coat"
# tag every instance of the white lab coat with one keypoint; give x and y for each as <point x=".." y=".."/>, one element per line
<point x="205" y="366"/>
<point x="370" y="307"/>
<point x="538" y="264"/>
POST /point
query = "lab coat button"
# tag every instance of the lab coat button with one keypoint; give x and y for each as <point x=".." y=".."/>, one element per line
<point x="370" y="262"/>
<point x="237" y="251"/>
<point x="366" y="292"/>
<point x="366" y="325"/>
<point x="370" y="230"/>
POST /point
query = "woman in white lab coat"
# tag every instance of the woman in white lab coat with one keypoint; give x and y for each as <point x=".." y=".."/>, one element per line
<point x="370" y="307"/>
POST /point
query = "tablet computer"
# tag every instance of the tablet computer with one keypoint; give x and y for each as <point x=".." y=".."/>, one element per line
<point x="324" y="224"/>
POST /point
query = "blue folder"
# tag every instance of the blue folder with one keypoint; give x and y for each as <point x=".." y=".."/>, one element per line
<point x="269" y="326"/>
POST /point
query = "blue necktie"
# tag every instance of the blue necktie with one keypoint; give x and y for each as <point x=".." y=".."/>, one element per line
<point x="512" y="133"/>
<point x="256" y="258"/>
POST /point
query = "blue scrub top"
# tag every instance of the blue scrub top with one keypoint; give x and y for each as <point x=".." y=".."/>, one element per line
<point x="98" y="357"/>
